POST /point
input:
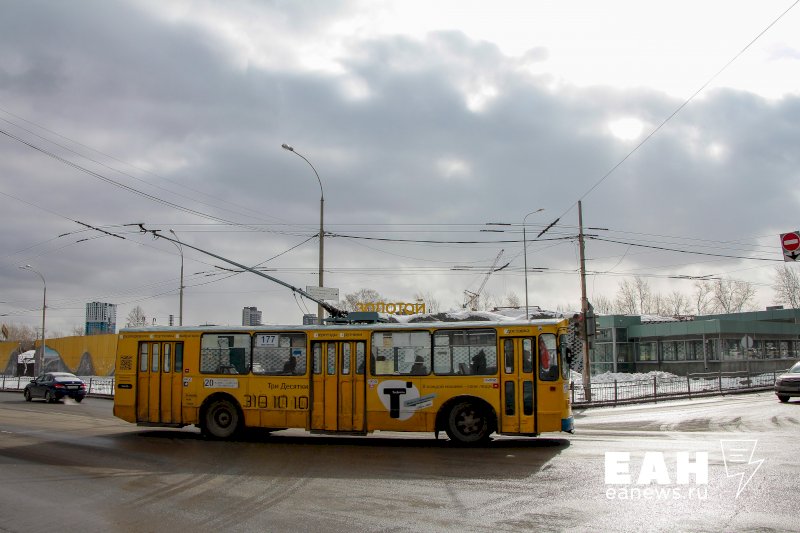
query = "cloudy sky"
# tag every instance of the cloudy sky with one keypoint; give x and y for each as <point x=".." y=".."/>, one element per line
<point x="426" y="121"/>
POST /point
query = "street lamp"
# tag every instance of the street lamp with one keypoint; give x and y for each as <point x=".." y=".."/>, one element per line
<point x="320" y="310"/>
<point x="525" y="254"/>
<point x="40" y="368"/>
<point x="180" y="249"/>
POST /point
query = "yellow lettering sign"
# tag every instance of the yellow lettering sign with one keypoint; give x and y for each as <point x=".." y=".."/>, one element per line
<point x="396" y="308"/>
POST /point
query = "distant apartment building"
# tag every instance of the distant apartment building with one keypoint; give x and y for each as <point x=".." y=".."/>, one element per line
<point x="251" y="316"/>
<point x="100" y="318"/>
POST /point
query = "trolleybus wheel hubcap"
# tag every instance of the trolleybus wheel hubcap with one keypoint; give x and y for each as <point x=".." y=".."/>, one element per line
<point x="222" y="419"/>
<point x="467" y="424"/>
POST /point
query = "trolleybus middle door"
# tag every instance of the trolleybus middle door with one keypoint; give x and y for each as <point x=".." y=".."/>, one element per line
<point x="338" y="386"/>
<point x="518" y="410"/>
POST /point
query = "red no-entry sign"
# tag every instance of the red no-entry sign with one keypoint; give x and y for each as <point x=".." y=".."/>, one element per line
<point x="790" y="242"/>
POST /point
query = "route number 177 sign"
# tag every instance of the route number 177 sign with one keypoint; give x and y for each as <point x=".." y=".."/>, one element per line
<point x="790" y="243"/>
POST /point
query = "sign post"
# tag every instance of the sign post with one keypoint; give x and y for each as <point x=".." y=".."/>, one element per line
<point x="790" y="243"/>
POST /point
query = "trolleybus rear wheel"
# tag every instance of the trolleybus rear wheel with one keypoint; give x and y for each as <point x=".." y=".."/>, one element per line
<point x="222" y="420"/>
<point x="468" y="423"/>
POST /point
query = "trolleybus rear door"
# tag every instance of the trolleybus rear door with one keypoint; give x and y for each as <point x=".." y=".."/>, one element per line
<point x="338" y="386"/>
<point x="518" y="393"/>
<point x="159" y="382"/>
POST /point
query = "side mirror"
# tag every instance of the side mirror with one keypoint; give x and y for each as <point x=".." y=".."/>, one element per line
<point x="569" y="356"/>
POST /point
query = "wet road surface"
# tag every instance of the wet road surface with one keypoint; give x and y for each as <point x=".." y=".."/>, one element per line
<point x="74" y="466"/>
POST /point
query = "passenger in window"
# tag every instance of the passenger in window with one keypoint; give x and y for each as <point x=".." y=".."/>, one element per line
<point x="479" y="363"/>
<point x="419" y="368"/>
<point x="290" y="365"/>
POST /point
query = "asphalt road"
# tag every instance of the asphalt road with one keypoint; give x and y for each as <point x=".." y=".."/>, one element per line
<point x="74" y="467"/>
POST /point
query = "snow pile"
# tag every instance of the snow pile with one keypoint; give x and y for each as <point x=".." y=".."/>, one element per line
<point x="611" y="377"/>
<point x="466" y="315"/>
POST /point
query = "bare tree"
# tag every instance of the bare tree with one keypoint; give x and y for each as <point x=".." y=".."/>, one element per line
<point x="658" y="305"/>
<point x="432" y="305"/>
<point x="626" y="301"/>
<point x="361" y="296"/>
<point x="512" y="300"/>
<point x="733" y="296"/>
<point x="678" y="304"/>
<point x="16" y="332"/>
<point x="602" y="305"/>
<point x="644" y="295"/>
<point x="634" y="297"/>
<point x="487" y="301"/>
<point x="136" y="318"/>
<point x="787" y="286"/>
<point x="703" y="298"/>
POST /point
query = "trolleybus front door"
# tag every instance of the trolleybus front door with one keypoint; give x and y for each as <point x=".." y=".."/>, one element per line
<point x="518" y="392"/>
<point x="338" y="386"/>
<point x="159" y="382"/>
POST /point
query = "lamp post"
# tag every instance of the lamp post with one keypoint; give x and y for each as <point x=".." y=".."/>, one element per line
<point x="320" y="310"/>
<point x="40" y="360"/>
<point x="525" y="254"/>
<point x="180" y="249"/>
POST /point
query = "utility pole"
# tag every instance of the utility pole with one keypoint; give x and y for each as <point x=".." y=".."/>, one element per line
<point x="587" y="380"/>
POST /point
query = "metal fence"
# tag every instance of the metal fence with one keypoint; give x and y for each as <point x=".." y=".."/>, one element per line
<point x="95" y="385"/>
<point x="602" y="393"/>
<point x="655" y="388"/>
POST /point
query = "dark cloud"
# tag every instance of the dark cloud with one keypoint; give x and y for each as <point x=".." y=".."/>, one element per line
<point x="441" y="130"/>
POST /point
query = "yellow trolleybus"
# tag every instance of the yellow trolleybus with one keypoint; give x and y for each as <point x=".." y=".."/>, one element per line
<point x="469" y="379"/>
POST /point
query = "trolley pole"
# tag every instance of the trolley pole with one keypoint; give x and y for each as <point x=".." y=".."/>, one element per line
<point x="587" y="380"/>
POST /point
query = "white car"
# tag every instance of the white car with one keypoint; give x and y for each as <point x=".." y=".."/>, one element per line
<point x="788" y="384"/>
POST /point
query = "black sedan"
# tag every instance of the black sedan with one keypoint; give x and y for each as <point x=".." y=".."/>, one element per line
<point x="54" y="386"/>
<point x="788" y="384"/>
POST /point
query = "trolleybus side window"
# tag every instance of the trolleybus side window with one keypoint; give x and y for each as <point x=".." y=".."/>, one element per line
<point x="345" y="359"/>
<point x="317" y="358"/>
<point x="279" y="354"/>
<point x="225" y="353"/>
<point x="508" y="354"/>
<point x="361" y="357"/>
<point x="401" y="352"/>
<point x="566" y="356"/>
<point x="527" y="355"/>
<point x="167" y="358"/>
<point x="466" y="352"/>
<point x="548" y="357"/>
<point x="178" y="357"/>
<point x="143" y="356"/>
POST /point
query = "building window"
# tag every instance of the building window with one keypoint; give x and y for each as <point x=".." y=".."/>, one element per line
<point x="647" y="351"/>
<point x="731" y="349"/>
<point x="694" y="350"/>
<point x="668" y="352"/>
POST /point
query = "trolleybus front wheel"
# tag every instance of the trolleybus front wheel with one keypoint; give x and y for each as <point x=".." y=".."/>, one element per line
<point x="221" y="420"/>
<point x="468" y="424"/>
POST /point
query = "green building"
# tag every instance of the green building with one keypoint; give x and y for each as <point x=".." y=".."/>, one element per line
<point x="755" y="341"/>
